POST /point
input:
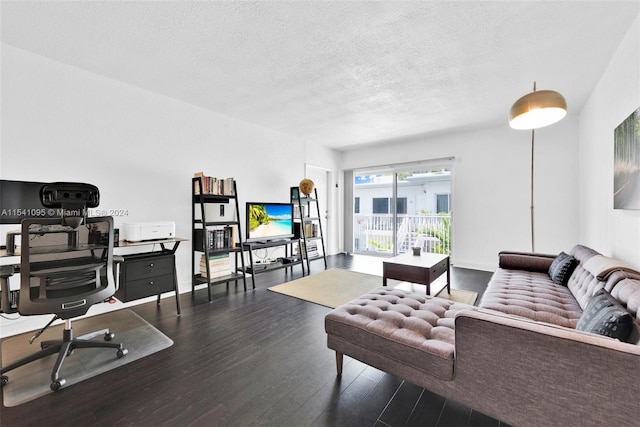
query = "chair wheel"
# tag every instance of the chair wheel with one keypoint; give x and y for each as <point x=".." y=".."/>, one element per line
<point x="122" y="352"/>
<point x="109" y="336"/>
<point x="57" y="385"/>
<point x="4" y="380"/>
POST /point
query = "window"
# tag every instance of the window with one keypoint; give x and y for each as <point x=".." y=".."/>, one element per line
<point x="401" y="205"/>
<point x="380" y="205"/>
<point x="442" y="203"/>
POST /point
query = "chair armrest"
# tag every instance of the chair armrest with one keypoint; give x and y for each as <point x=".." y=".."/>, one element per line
<point x="525" y="261"/>
<point x="531" y="373"/>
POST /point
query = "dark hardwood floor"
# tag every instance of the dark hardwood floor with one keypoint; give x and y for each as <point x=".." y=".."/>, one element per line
<point x="249" y="358"/>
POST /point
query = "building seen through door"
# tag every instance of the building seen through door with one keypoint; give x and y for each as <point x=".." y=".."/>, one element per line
<point x="397" y="210"/>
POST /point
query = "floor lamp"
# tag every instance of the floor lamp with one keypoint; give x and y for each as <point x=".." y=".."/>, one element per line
<point x="535" y="110"/>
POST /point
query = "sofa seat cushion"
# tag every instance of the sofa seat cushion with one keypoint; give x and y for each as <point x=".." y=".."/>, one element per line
<point x="413" y="329"/>
<point x="532" y="295"/>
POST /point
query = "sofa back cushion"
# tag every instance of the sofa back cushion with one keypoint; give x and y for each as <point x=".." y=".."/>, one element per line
<point x="582" y="284"/>
<point x="627" y="292"/>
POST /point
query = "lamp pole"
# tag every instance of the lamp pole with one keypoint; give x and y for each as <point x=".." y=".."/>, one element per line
<point x="533" y="246"/>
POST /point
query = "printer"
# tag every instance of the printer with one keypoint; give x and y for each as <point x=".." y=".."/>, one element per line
<point x="155" y="230"/>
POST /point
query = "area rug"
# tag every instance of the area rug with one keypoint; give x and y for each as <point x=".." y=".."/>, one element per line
<point x="32" y="380"/>
<point x="330" y="288"/>
<point x="334" y="287"/>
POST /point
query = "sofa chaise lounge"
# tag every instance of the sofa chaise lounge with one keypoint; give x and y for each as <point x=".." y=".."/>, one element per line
<point x="518" y="356"/>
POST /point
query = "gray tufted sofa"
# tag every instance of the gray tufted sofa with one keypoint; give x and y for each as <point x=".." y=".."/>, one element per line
<point x="517" y="356"/>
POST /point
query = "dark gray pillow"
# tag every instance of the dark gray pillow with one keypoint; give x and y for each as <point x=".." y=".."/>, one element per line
<point x="604" y="315"/>
<point x="561" y="268"/>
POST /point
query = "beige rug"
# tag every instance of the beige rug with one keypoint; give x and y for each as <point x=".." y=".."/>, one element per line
<point x="440" y="290"/>
<point x="33" y="379"/>
<point x="334" y="287"/>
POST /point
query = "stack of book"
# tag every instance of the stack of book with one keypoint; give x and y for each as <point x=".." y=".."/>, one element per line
<point x="311" y="251"/>
<point x="213" y="185"/>
<point x="219" y="265"/>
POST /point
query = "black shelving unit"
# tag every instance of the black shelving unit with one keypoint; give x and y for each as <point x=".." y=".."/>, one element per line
<point x="308" y="226"/>
<point x="289" y="260"/>
<point x="211" y="238"/>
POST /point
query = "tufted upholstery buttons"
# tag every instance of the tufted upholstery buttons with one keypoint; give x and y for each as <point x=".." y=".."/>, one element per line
<point x="531" y="295"/>
<point x="413" y="328"/>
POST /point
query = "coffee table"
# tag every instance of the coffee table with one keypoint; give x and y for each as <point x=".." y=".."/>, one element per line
<point x="422" y="269"/>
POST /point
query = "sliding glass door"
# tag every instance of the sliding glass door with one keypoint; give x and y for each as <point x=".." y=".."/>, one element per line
<point x="397" y="209"/>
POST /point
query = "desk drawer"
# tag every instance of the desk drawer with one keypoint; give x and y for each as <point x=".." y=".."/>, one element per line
<point x="439" y="268"/>
<point x="143" y="267"/>
<point x="145" y="275"/>
<point x="142" y="288"/>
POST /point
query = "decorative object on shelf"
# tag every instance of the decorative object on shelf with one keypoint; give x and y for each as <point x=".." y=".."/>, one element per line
<point x="306" y="186"/>
<point x="626" y="163"/>
<point x="535" y="110"/>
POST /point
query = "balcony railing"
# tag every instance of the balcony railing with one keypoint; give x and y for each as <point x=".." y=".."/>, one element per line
<point x="374" y="233"/>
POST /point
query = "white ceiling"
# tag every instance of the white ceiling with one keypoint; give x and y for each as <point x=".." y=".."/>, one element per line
<point x="338" y="73"/>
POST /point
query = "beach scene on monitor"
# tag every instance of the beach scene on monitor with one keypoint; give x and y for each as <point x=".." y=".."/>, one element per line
<point x="268" y="221"/>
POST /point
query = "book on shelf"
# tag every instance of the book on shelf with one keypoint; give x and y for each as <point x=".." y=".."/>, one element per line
<point x="213" y="185"/>
<point x="310" y="229"/>
<point x="215" y="274"/>
<point x="310" y="251"/>
<point x="219" y="265"/>
<point x="217" y="238"/>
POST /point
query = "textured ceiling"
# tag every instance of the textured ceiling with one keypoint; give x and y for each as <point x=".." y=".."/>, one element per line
<point x="337" y="73"/>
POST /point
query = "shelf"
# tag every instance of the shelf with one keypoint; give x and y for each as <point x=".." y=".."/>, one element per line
<point x="255" y="268"/>
<point x="213" y="198"/>
<point x="309" y="225"/>
<point x="308" y="199"/>
<point x="199" y="280"/>
<point x="221" y="251"/>
<point x="262" y="268"/>
<point x="309" y="219"/>
<point x="215" y="223"/>
<point x="210" y="237"/>
<point x="270" y="244"/>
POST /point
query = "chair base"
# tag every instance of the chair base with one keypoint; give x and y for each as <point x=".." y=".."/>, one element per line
<point x="65" y="348"/>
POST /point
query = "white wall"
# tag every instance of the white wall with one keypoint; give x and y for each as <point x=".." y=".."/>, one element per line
<point x="320" y="156"/>
<point x="612" y="232"/>
<point x="490" y="189"/>
<point x="60" y="123"/>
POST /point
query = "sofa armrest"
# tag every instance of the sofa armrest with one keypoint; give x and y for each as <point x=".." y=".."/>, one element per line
<point x="531" y="373"/>
<point x="525" y="261"/>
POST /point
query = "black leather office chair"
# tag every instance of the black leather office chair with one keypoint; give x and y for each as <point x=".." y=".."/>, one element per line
<point x="64" y="270"/>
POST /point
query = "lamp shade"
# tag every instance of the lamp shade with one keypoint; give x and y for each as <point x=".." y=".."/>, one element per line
<point x="537" y="109"/>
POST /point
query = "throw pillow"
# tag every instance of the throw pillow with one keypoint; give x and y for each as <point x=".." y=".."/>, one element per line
<point x="604" y="315"/>
<point x="561" y="268"/>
